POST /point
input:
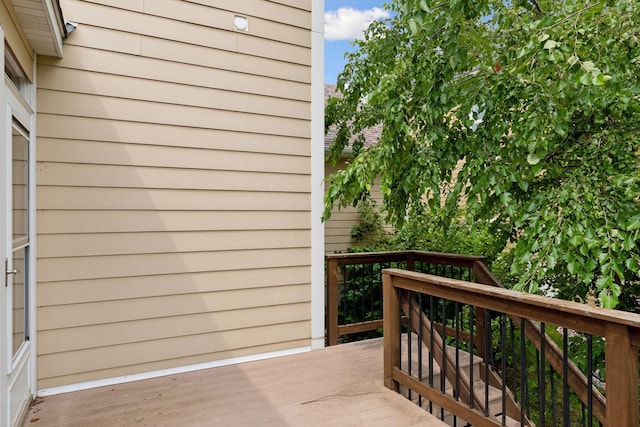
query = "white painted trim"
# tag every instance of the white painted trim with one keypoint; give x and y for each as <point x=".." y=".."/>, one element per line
<point x="166" y="372"/>
<point x="16" y="106"/>
<point x="4" y="246"/>
<point x="33" y="236"/>
<point x="5" y="139"/>
<point x="317" y="176"/>
<point x="55" y="20"/>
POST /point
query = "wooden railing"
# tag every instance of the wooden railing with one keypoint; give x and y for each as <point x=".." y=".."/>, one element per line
<point x="354" y="285"/>
<point x="490" y="311"/>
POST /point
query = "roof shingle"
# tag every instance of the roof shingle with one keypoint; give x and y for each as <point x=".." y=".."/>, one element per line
<point x="371" y="135"/>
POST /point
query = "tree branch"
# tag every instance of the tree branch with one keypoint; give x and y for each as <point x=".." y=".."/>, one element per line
<point x="536" y="5"/>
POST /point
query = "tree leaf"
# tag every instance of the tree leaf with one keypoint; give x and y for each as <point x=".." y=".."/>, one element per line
<point x="413" y="26"/>
<point x="533" y="159"/>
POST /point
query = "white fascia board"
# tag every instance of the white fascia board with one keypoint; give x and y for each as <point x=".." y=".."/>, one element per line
<point x="56" y="23"/>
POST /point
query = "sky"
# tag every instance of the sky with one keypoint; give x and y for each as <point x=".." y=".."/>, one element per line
<point x="345" y="20"/>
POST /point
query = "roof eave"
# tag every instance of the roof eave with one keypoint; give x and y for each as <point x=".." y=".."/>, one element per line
<point x="43" y="23"/>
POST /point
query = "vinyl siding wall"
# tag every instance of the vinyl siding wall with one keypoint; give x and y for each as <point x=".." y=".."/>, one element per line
<point x="338" y="228"/>
<point x="173" y="186"/>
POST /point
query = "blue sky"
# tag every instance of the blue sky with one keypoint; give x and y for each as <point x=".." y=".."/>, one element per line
<point x="345" y="20"/>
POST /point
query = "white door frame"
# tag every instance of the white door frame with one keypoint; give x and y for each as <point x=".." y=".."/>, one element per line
<point x="17" y="374"/>
<point x="5" y="178"/>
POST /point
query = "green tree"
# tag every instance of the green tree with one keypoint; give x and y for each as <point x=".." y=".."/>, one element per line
<point x="537" y="104"/>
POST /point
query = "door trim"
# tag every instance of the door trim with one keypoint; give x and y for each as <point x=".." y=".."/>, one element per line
<point x="18" y="379"/>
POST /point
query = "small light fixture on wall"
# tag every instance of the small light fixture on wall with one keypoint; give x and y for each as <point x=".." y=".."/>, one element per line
<point x="240" y="23"/>
<point x="70" y="26"/>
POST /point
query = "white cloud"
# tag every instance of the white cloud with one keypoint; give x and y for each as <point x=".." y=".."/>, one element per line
<point x="347" y="23"/>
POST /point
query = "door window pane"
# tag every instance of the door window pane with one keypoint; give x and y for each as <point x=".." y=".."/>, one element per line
<point x="20" y="220"/>
<point x="20" y="194"/>
<point x="19" y="299"/>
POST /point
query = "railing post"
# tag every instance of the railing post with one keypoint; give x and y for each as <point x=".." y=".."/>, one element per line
<point x="411" y="261"/>
<point x="621" y="361"/>
<point x="391" y="330"/>
<point x="332" y="301"/>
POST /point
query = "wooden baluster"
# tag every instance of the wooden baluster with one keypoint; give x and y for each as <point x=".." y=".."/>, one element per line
<point x="480" y="336"/>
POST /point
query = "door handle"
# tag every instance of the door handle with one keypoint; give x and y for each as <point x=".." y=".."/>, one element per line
<point x="7" y="272"/>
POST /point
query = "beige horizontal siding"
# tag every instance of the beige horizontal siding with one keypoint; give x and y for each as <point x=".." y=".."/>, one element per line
<point x="89" y="267"/>
<point x="132" y="110"/>
<point x="261" y="9"/>
<point x="168" y="364"/>
<point x="88" y="198"/>
<point x="180" y="346"/>
<point x="126" y="221"/>
<point x="197" y="55"/>
<point x="338" y="227"/>
<point x="121" y="288"/>
<point x="109" y="85"/>
<point x="95" y="175"/>
<point x="170" y="306"/>
<point x="52" y="368"/>
<point x="194" y="32"/>
<point x="173" y="187"/>
<point x="286" y="81"/>
<point x="118" y="153"/>
<point x="81" y="338"/>
<point x="77" y="245"/>
<point x="293" y="10"/>
<point x="337" y="231"/>
<point x="106" y="50"/>
<point x="83" y="131"/>
<point x="221" y="19"/>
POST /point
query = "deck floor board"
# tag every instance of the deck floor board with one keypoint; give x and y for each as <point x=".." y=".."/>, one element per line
<point x="336" y="386"/>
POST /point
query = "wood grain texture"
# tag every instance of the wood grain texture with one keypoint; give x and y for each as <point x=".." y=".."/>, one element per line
<point x="621" y="360"/>
<point x="337" y="386"/>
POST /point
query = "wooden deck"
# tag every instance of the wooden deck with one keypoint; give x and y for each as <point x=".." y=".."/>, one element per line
<point x="337" y="386"/>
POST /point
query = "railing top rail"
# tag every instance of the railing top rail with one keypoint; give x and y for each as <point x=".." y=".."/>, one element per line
<point x="569" y="314"/>
<point x="396" y="254"/>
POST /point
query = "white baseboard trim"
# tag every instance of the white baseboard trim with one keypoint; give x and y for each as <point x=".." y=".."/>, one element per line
<point x="165" y="372"/>
<point x="317" y="343"/>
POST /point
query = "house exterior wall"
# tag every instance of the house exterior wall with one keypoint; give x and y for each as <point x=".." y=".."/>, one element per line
<point x="338" y="227"/>
<point x="174" y="193"/>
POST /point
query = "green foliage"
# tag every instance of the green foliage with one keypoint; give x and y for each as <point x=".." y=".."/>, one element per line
<point x="370" y="231"/>
<point x="528" y="112"/>
<point x="430" y="233"/>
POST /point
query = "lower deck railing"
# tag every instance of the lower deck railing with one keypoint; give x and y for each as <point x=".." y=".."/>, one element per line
<point x="354" y="286"/>
<point x="488" y="356"/>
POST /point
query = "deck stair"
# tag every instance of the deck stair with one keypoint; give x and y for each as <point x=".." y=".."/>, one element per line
<point x="460" y="369"/>
<point x="558" y="358"/>
<point x="435" y="380"/>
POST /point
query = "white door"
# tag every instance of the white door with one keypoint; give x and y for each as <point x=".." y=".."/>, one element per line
<point x="16" y="254"/>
